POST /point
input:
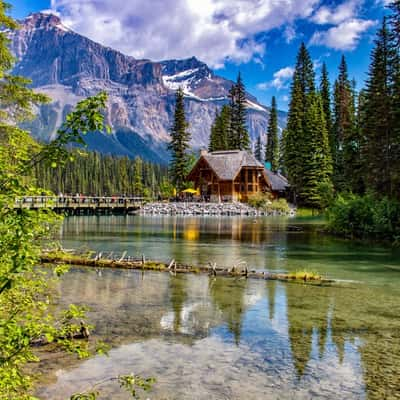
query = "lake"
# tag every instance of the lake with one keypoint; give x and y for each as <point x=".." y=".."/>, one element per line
<point x="224" y="338"/>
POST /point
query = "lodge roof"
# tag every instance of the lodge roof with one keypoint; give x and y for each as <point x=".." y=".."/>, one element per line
<point x="278" y="182"/>
<point x="227" y="164"/>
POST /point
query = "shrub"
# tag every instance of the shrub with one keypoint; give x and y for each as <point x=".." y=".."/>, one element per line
<point x="279" y="206"/>
<point x="264" y="201"/>
<point x="365" y="216"/>
<point x="259" y="200"/>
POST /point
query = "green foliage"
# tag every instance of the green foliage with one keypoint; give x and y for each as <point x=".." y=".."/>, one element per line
<point x="133" y="384"/>
<point x="295" y="136"/>
<point x="26" y="312"/>
<point x="92" y="173"/>
<point x="377" y="122"/>
<point x="259" y="200"/>
<point x="325" y="91"/>
<point x="239" y="136"/>
<point x="365" y="216"/>
<point x="264" y="201"/>
<point x="220" y="130"/>
<point x="346" y="146"/>
<point x="279" y="206"/>
<point x="272" y="148"/>
<point x="179" y="145"/>
<point x="317" y="164"/>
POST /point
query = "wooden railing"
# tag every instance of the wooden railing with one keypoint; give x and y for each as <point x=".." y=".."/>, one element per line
<point x="80" y="202"/>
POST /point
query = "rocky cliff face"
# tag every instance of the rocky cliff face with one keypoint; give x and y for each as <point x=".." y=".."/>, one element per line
<point x="69" y="67"/>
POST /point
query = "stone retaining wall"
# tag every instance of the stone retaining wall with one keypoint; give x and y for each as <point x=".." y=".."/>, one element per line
<point x="203" y="209"/>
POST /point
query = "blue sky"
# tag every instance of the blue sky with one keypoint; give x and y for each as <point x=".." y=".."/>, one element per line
<point x="260" y="37"/>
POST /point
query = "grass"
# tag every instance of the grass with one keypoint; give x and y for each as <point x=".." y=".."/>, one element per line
<point x="305" y="275"/>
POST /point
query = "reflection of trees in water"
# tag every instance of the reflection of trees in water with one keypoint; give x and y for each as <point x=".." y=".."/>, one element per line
<point x="373" y="317"/>
<point x="228" y="297"/>
<point x="271" y="292"/>
<point x="343" y="316"/>
<point x="307" y="312"/>
<point x="178" y="295"/>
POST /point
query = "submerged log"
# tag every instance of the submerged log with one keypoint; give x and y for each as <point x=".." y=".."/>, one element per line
<point x="178" y="268"/>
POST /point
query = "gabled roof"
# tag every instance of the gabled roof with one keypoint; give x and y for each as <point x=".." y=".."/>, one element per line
<point x="278" y="182"/>
<point x="227" y="164"/>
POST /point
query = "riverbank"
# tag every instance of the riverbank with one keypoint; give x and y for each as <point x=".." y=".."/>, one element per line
<point x="123" y="261"/>
<point x="188" y="208"/>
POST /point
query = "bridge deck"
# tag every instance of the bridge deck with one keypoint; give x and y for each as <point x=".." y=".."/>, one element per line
<point x="80" y="204"/>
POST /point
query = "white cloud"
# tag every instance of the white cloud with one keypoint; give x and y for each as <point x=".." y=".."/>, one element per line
<point x="346" y="10"/>
<point x="289" y="33"/>
<point x="344" y="36"/>
<point x="280" y="81"/>
<point x="213" y="30"/>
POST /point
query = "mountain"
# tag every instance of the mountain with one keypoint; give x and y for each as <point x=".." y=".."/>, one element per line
<point x="69" y="67"/>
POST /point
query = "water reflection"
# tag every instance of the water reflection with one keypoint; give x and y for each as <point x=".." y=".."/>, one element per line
<point x="265" y="243"/>
<point x="207" y="338"/>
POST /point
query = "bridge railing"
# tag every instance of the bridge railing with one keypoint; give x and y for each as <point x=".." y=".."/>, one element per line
<point x="78" y="201"/>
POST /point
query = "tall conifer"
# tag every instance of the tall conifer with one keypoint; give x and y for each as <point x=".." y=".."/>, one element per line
<point x="325" y="90"/>
<point x="272" y="148"/>
<point x="344" y="129"/>
<point x="238" y="137"/>
<point x="317" y="168"/>
<point x="179" y="144"/>
<point x="377" y="122"/>
<point x="295" y="144"/>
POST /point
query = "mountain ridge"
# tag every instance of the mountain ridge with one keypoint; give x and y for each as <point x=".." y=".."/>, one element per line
<point x="69" y="67"/>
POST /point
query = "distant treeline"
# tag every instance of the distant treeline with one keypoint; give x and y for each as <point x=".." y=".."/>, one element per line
<point x="92" y="173"/>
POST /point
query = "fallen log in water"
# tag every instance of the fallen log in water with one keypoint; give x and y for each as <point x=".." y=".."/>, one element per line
<point x="178" y="268"/>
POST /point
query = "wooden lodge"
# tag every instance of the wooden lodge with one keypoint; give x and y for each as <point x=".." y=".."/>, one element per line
<point x="233" y="175"/>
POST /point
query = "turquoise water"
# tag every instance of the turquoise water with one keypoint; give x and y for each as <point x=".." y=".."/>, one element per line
<point x="207" y="338"/>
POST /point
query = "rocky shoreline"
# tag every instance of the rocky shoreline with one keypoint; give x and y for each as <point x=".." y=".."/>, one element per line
<point x="189" y="208"/>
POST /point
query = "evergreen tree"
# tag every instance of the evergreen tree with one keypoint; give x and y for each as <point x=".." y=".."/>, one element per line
<point x="179" y="144"/>
<point x="395" y="92"/>
<point x="325" y="91"/>
<point x="138" y="177"/>
<point x="344" y="143"/>
<point x="258" y="149"/>
<point x="295" y="141"/>
<point x="317" y="160"/>
<point x="219" y="130"/>
<point x="238" y="137"/>
<point x="377" y="120"/>
<point x="272" y="148"/>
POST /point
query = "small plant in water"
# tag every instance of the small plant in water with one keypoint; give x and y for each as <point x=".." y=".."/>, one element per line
<point x="133" y="384"/>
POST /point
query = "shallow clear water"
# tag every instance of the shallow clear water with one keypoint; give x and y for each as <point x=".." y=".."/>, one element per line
<point x="206" y="338"/>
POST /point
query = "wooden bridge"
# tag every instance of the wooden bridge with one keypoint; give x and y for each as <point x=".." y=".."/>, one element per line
<point x="82" y="205"/>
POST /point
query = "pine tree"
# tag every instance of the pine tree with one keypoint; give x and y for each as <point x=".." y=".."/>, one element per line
<point x="317" y="160"/>
<point x="179" y="144"/>
<point x="272" y="147"/>
<point x="394" y="63"/>
<point x="137" y="177"/>
<point x="325" y="91"/>
<point x="238" y="136"/>
<point x="377" y="121"/>
<point x="258" y="149"/>
<point x="295" y="145"/>
<point x="214" y="135"/>
<point x="344" y="130"/>
<point x="219" y="130"/>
